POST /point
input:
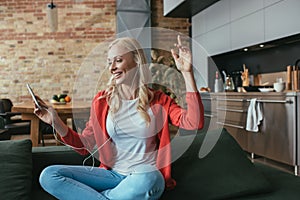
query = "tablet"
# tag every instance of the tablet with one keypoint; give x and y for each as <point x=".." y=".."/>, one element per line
<point x="33" y="97"/>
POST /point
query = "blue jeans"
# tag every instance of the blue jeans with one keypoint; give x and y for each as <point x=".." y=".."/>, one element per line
<point x="84" y="182"/>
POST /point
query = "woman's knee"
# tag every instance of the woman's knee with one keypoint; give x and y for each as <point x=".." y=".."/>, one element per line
<point x="151" y="178"/>
<point x="150" y="185"/>
<point x="48" y="176"/>
<point x="142" y="186"/>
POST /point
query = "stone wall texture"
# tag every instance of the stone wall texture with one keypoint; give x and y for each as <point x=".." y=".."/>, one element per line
<point x="51" y="61"/>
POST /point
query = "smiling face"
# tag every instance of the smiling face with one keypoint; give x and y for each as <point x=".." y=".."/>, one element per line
<point x="121" y="64"/>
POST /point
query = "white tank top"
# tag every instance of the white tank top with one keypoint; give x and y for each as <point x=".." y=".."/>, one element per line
<point x="134" y="143"/>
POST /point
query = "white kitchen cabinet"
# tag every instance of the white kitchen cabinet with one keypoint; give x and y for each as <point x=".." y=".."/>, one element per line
<point x="200" y="41"/>
<point x="247" y="31"/>
<point x="217" y="15"/>
<point x="199" y="27"/>
<point x="270" y="2"/>
<point x="241" y="8"/>
<point x="250" y="23"/>
<point x="218" y="40"/>
<point x="200" y="60"/>
<point x="282" y="19"/>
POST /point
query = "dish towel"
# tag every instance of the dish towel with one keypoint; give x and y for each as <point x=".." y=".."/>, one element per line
<point x="254" y="115"/>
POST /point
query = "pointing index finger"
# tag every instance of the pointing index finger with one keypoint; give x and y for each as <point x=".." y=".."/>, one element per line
<point x="179" y="40"/>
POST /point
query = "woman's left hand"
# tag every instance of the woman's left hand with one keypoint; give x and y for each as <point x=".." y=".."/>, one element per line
<point x="183" y="59"/>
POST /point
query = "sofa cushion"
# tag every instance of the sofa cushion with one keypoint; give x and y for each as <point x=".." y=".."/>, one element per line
<point x="53" y="155"/>
<point x="223" y="172"/>
<point x="15" y="169"/>
<point x="286" y="185"/>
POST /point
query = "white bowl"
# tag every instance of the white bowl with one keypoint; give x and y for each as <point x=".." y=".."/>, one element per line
<point x="279" y="87"/>
<point x="266" y="89"/>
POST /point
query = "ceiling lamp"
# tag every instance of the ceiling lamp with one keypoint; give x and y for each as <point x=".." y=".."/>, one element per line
<point x="52" y="16"/>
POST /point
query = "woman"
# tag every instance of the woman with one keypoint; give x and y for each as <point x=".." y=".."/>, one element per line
<point x="129" y="124"/>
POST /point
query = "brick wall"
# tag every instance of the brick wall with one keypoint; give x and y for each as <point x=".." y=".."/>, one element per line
<point x="31" y="53"/>
<point x="166" y="39"/>
<point x="181" y="25"/>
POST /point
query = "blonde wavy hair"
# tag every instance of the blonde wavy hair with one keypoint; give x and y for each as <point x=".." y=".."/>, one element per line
<point x="145" y="95"/>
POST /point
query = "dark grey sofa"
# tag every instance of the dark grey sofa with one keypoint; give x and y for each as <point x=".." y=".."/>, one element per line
<point x="224" y="173"/>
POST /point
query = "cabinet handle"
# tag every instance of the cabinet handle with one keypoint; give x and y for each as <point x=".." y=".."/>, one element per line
<point x="273" y="101"/>
<point x="236" y="100"/>
<point x="231" y="125"/>
<point x="258" y="100"/>
<point x="231" y="110"/>
<point x="208" y="115"/>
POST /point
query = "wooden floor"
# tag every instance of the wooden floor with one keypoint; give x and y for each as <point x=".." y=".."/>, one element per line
<point x="19" y="137"/>
<point x="281" y="166"/>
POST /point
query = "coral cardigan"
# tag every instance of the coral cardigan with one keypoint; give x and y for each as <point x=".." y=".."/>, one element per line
<point x="165" y="111"/>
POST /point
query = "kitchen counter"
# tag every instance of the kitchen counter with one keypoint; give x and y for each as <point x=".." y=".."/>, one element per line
<point x="278" y="136"/>
<point x="289" y="93"/>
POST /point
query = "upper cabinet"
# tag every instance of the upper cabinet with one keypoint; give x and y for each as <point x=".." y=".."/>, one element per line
<point x="215" y="15"/>
<point x="217" y="40"/>
<point x="270" y="2"/>
<point x="247" y="22"/>
<point x="281" y="19"/>
<point x="200" y="27"/>
<point x="247" y="31"/>
<point x="239" y="9"/>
